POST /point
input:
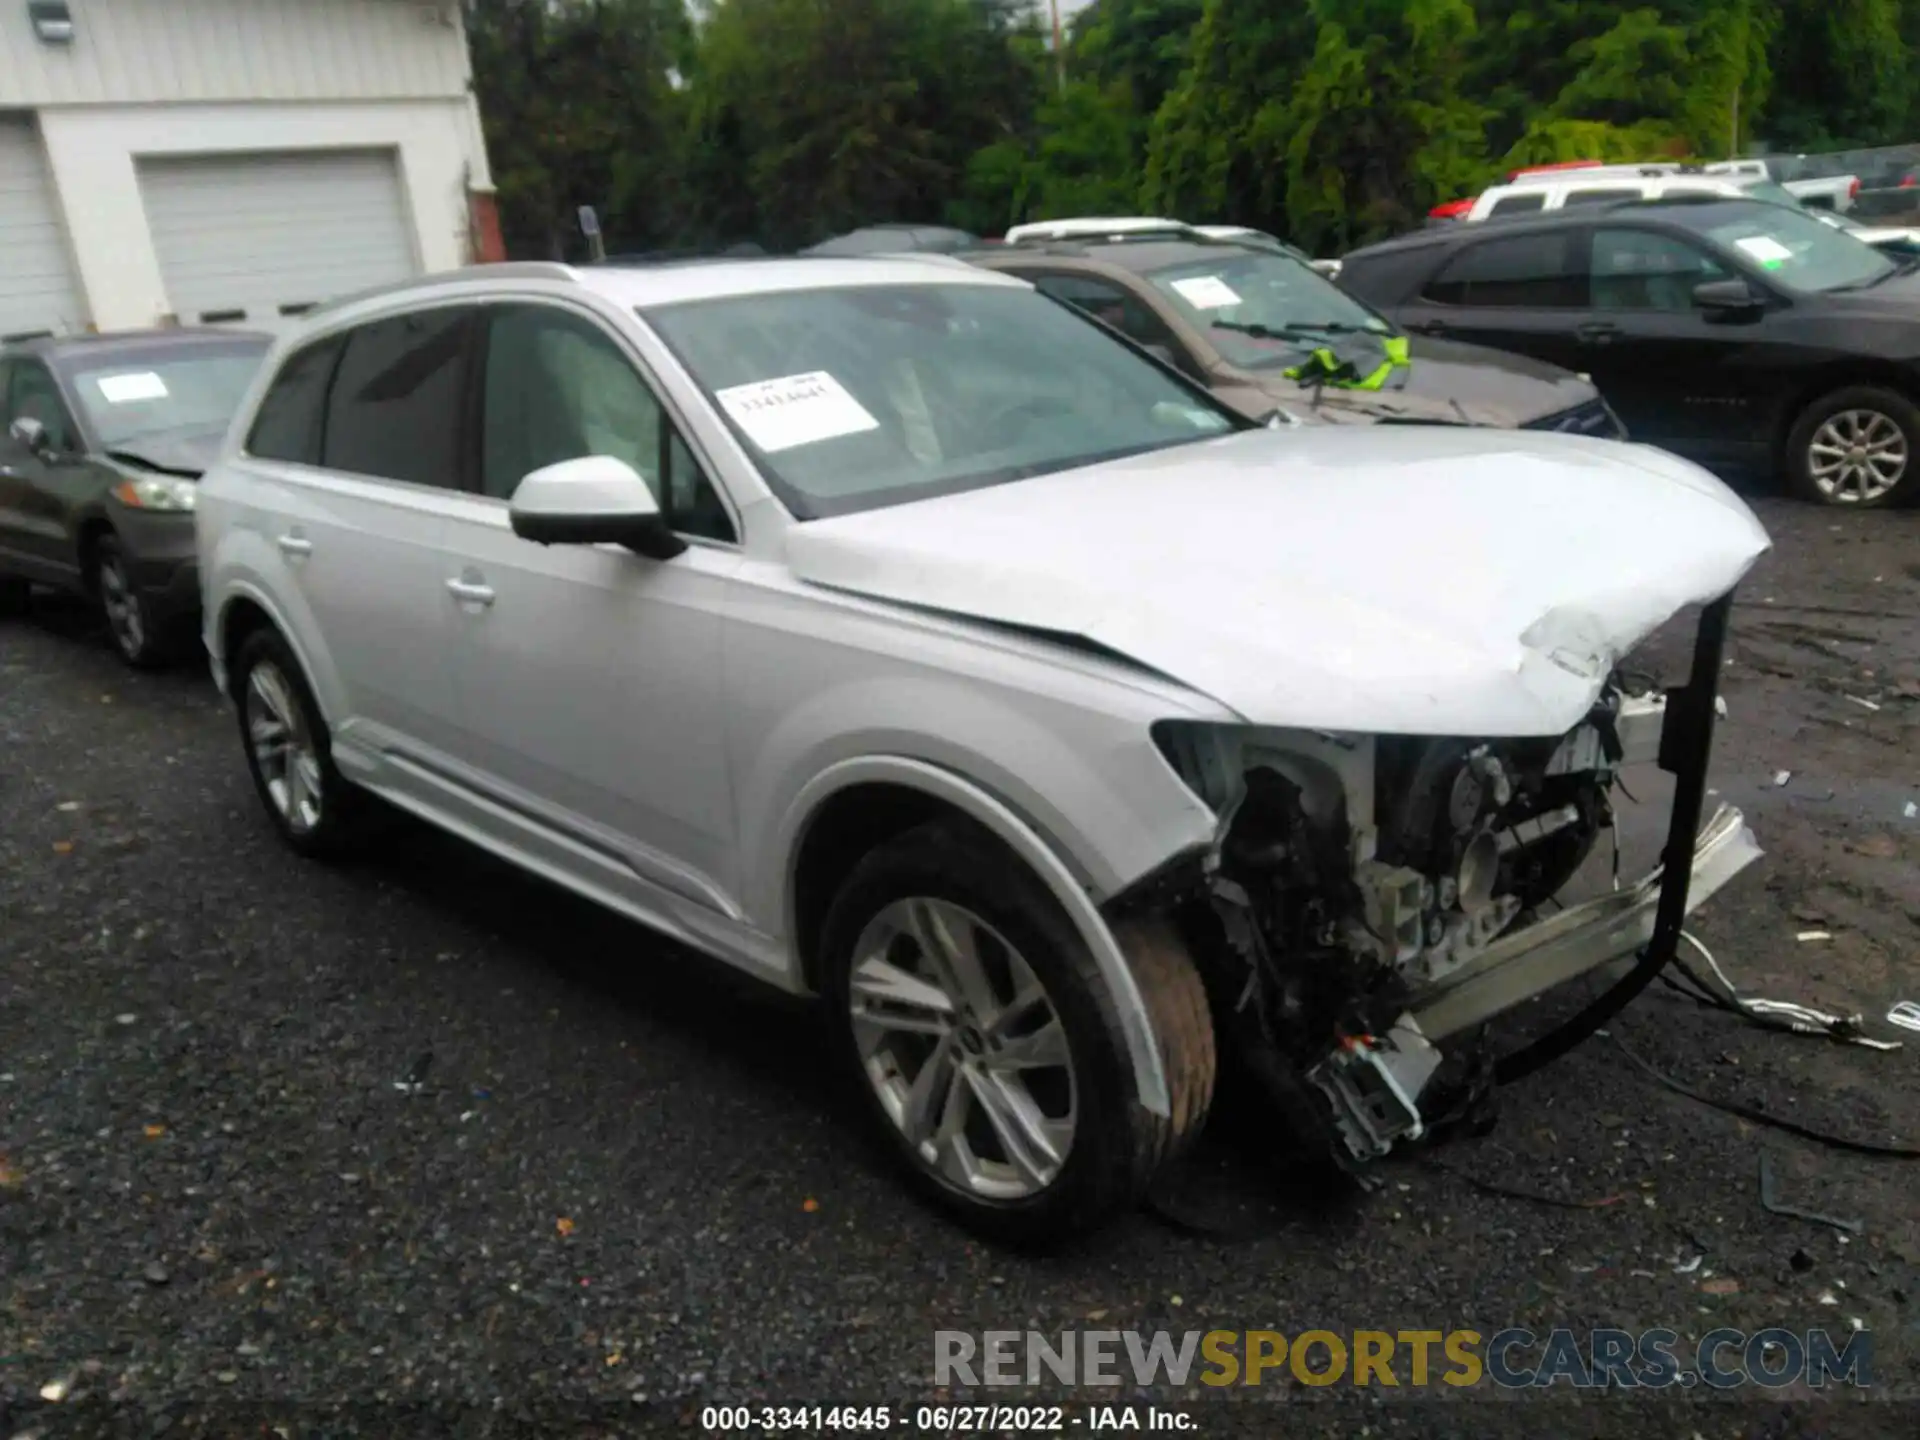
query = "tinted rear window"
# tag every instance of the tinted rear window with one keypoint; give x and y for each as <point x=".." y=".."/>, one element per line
<point x="287" y="425"/>
<point x="394" y="408"/>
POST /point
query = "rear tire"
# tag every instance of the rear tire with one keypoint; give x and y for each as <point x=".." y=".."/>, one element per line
<point x="289" y="751"/>
<point x="16" y="596"/>
<point x="1856" y="448"/>
<point x="1016" y="1116"/>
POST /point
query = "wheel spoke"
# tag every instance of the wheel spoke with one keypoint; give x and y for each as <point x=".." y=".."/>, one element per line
<point x="893" y="998"/>
<point x="927" y="1097"/>
<point x="1037" y="1050"/>
<point x="1032" y="1143"/>
<point x="946" y="937"/>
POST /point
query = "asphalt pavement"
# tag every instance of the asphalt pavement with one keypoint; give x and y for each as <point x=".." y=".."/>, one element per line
<point x="417" y="1144"/>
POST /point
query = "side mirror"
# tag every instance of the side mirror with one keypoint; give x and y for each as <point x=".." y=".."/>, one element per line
<point x="32" y="434"/>
<point x="1727" y="300"/>
<point x="594" y="500"/>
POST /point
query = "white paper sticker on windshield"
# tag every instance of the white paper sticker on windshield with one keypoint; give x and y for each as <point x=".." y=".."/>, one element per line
<point x="1206" y="292"/>
<point x="1765" y="249"/>
<point x="134" y="385"/>
<point x="795" y="410"/>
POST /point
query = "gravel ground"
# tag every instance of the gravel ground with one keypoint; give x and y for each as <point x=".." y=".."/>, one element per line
<point x="625" y="1188"/>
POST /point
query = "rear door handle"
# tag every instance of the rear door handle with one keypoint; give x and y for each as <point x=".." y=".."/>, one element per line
<point x="294" y="545"/>
<point x="470" y="592"/>
<point x="1429" y="327"/>
<point x="1598" y="332"/>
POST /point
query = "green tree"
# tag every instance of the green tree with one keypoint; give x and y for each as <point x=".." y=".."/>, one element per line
<point x="579" y="108"/>
<point x="816" y="116"/>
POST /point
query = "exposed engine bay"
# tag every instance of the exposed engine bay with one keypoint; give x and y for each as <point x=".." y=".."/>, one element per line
<point x="1356" y="881"/>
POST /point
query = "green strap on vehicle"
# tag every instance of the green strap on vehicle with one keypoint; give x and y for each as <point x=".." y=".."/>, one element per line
<point x="1329" y="366"/>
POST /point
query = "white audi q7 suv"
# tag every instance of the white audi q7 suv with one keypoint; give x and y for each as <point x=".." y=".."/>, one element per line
<point x="899" y="635"/>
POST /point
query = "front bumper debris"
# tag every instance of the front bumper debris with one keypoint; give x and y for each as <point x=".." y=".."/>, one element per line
<point x="1567" y="945"/>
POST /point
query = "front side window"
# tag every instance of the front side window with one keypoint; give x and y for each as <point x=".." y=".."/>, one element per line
<point x="558" y="388"/>
<point x="33" y="395"/>
<point x="856" y="397"/>
<point x="1799" y="252"/>
<point x="1643" y="270"/>
<point x="1262" y="309"/>
<point x="393" y="410"/>
<point x="164" y="393"/>
<point x="1522" y="271"/>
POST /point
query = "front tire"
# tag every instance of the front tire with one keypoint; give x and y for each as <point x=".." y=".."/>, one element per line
<point x="142" y="640"/>
<point x="16" y="596"/>
<point x="976" y="1025"/>
<point x="290" y="751"/>
<point x="1858" y="447"/>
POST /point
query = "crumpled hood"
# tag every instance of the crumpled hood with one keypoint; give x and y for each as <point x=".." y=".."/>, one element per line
<point x="1448" y="382"/>
<point x="1421" y="580"/>
<point x="175" y="452"/>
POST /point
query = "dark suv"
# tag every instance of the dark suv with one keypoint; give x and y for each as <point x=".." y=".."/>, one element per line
<point x="1238" y="317"/>
<point x="104" y="437"/>
<point x="1743" y="335"/>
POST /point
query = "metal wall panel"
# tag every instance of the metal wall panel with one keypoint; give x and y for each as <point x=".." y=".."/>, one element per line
<point x="140" y="51"/>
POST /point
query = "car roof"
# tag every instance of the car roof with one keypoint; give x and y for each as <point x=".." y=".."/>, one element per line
<point x="1140" y="256"/>
<point x="1688" y="211"/>
<point x="669" y="282"/>
<point x="60" y="347"/>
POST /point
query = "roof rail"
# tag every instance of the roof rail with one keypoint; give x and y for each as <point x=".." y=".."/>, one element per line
<point x="501" y="270"/>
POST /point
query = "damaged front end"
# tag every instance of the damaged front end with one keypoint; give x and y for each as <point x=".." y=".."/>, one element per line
<point x="1371" y="902"/>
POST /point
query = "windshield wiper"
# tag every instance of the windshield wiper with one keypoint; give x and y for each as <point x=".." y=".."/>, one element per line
<point x="1295" y="329"/>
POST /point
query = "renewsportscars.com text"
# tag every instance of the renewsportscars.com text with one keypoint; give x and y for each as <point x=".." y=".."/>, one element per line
<point x="1512" y="1358"/>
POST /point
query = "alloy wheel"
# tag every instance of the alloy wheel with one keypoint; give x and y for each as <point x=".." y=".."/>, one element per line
<point x="283" y="747"/>
<point x="964" y="1049"/>
<point x="122" y="608"/>
<point x="1857" y="456"/>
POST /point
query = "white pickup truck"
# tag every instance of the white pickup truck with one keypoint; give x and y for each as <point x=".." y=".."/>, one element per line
<point x="1829" y="192"/>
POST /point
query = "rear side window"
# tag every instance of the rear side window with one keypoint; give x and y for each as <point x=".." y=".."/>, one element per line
<point x="1515" y="204"/>
<point x="1523" y="271"/>
<point x="287" y="425"/>
<point x="394" y="407"/>
<point x="1601" y="195"/>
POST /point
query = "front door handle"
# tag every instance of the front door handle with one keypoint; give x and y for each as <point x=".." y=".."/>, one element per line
<point x="1429" y="327"/>
<point x="295" y="545"/>
<point x="1598" y="332"/>
<point x="470" y="592"/>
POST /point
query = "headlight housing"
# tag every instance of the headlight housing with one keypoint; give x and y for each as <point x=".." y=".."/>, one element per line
<point x="156" y="492"/>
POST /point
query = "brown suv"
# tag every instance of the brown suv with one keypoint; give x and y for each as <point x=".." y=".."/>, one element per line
<point x="1238" y="317"/>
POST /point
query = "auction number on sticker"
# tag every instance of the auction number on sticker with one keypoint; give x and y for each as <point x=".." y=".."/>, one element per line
<point x="762" y="1419"/>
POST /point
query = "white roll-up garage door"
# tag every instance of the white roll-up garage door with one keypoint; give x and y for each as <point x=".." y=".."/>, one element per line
<point x="257" y="239"/>
<point x="37" y="289"/>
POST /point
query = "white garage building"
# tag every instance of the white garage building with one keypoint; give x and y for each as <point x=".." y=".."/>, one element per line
<point x="230" y="161"/>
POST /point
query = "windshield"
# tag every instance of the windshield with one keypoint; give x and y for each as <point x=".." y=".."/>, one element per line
<point x="1263" y="309"/>
<point x="1801" y="253"/>
<point x="858" y="397"/>
<point x="135" y="395"/>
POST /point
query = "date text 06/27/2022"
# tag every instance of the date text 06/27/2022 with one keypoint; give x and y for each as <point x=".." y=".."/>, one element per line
<point x="946" y="1419"/>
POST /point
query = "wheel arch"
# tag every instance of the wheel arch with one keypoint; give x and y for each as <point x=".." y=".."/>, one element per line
<point x="87" y="535"/>
<point x="846" y="809"/>
<point x="245" y="609"/>
<point x="1839" y="375"/>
